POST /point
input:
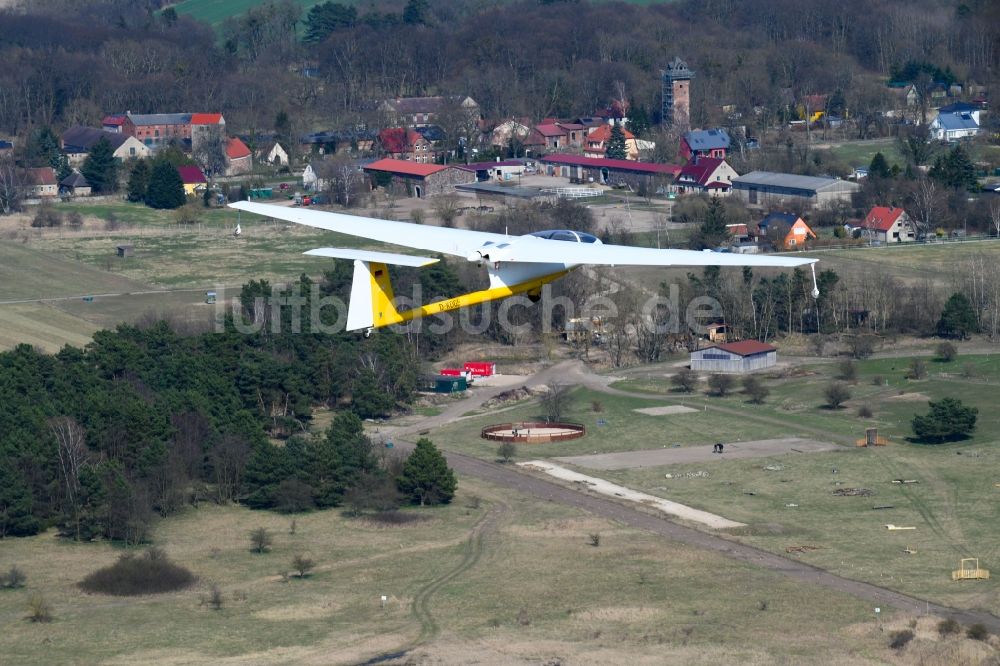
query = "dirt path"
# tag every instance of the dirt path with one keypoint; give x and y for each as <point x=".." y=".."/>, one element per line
<point x="474" y="548"/>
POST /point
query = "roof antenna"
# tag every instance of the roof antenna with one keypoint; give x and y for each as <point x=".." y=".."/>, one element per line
<point x="815" y="291"/>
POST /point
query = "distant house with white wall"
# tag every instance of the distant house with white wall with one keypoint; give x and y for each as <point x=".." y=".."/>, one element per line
<point x="889" y="225"/>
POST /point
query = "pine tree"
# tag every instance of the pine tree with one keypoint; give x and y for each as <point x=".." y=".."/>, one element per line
<point x="326" y="17"/>
<point x="955" y="169"/>
<point x="166" y="189"/>
<point x="638" y="120"/>
<point x="138" y="181"/>
<point x="948" y="419"/>
<point x="879" y="167"/>
<point x="713" y="232"/>
<point x="415" y="12"/>
<point x="616" y="144"/>
<point x="426" y="477"/>
<point x="101" y="167"/>
<point x="958" y="319"/>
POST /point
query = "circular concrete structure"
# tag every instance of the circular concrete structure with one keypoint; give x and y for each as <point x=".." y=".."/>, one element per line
<point x="533" y="432"/>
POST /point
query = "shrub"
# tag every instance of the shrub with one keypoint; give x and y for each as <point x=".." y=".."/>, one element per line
<point x="685" y="380"/>
<point x="74" y="219"/>
<point x="865" y="412"/>
<point x="755" y="389"/>
<point x="720" y="384"/>
<point x="39" y="610"/>
<point x="917" y="370"/>
<point x="862" y="345"/>
<point x="946" y="352"/>
<point x="836" y="394"/>
<point x="899" y="639"/>
<point x="47" y="216"/>
<point x="969" y="370"/>
<point x="214" y="598"/>
<point x="596" y="406"/>
<point x="303" y="564"/>
<point x="949" y="627"/>
<point x="878" y="380"/>
<point x="594" y="539"/>
<point x="260" y="540"/>
<point x="978" y="632"/>
<point x="15" y="578"/>
<point x="149" y="573"/>
<point x="847" y="370"/>
<point x="506" y="451"/>
<point x="948" y="419"/>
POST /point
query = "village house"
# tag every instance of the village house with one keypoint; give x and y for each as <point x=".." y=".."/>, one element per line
<point x="557" y="135"/>
<point x="238" y="158"/>
<point x="706" y="143"/>
<point x="415" y="179"/>
<point x="500" y="135"/>
<point x="706" y="175"/>
<point x="768" y="189"/>
<point x="193" y="179"/>
<point x="413" y="112"/>
<point x="785" y="231"/>
<point x="77" y="143"/>
<point x="40" y="182"/>
<point x="75" y="185"/>
<point x="596" y="143"/>
<point x="627" y="173"/>
<point x="159" y="129"/>
<point x="888" y="225"/>
<point x="954" y="126"/>
<point x="273" y="153"/>
<point x="405" y="144"/>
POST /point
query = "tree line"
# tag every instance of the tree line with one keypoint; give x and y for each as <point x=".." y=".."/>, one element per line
<point x="146" y="418"/>
<point x="525" y="58"/>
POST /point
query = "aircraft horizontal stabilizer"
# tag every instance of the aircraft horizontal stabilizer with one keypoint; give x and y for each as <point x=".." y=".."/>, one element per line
<point x="369" y="255"/>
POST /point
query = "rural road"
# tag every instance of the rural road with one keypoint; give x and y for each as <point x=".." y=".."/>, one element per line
<point x="510" y="477"/>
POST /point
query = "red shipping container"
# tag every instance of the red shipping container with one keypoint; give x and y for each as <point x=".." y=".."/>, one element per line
<point x="481" y="368"/>
<point x="451" y="372"/>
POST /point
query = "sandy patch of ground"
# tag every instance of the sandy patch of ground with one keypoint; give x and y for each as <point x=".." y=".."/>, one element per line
<point x="626" y="614"/>
<point x="910" y="397"/>
<point x="697" y="454"/>
<point x="614" y="490"/>
<point x="665" y="410"/>
<point x="297" y="612"/>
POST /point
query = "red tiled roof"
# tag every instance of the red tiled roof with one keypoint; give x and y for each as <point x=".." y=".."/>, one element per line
<point x="236" y="149"/>
<point x="598" y="162"/>
<point x="718" y="184"/>
<point x="191" y="175"/>
<point x="206" y="118"/>
<point x="746" y="347"/>
<point x="550" y="130"/>
<point x="738" y="229"/>
<point x="882" y="218"/>
<point x="113" y="120"/>
<point x="404" y="167"/>
<point x="399" y="139"/>
<point x="700" y="170"/>
<point x="603" y="133"/>
<point x="42" y="175"/>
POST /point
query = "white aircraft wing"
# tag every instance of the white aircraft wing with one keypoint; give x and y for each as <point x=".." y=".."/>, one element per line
<point x="530" y="249"/>
<point x="435" y="239"/>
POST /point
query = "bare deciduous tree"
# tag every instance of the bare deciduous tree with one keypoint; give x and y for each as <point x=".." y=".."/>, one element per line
<point x="72" y="448"/>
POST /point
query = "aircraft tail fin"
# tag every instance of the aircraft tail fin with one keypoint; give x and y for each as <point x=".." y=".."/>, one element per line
<point x="371" y="297"/>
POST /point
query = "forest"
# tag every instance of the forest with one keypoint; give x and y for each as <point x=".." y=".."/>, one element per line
<point x="70" y="63"/>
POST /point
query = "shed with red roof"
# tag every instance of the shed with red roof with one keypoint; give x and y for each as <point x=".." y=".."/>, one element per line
<point x="734" y="357"/>
<point x="192" y="177"/>
<point x="239" y="159"/>
<point x="415" y="179"/>
<point x="604" y="171"/>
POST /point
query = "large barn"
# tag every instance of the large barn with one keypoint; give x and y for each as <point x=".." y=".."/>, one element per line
<point x="734" y="357"/>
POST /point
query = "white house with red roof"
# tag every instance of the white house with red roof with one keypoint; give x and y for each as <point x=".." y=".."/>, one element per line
<point x="596" y="143"/>
<point x="710" y="175"/>
<point x="734" y="357"/>
<point x="889" y="225"/>
<point x="41" y="182"/>
<point x="415" y="179"/>
<point x="239" y="159"/>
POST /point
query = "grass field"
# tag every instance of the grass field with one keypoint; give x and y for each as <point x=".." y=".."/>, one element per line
<point x="954" y="504"/>
<point x="635" y="598"/>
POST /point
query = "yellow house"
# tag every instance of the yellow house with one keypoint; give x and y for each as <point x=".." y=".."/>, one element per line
<point x="193" y="179"/>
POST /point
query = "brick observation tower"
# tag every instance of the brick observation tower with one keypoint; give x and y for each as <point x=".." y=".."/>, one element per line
<point x="676" y="87"/>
